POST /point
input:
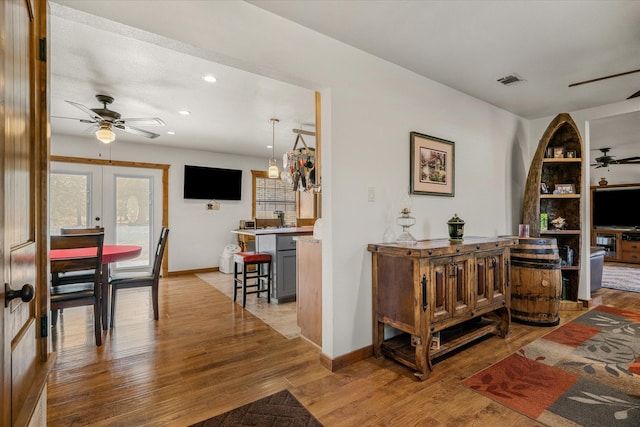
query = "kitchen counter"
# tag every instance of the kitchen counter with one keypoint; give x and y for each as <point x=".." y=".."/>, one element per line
<point x="278" y="231"/>
<point x="280" y="244"/>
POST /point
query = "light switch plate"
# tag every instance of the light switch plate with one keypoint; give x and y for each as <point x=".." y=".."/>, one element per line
<point x="371" y="194"/>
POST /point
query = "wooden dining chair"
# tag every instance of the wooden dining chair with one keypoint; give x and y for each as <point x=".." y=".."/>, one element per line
<point x="76" y="276"/>
<point x="137" y="281"/>
<point x="78" y="293"/>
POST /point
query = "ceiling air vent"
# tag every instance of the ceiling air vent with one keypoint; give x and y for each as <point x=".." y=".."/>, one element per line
<point x="510" y="79"/>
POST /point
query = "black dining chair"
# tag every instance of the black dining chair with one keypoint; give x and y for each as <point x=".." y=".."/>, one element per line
<point x="78" y="293"/>
<point x="137" y="281"/>
<point x="75" y="276"/>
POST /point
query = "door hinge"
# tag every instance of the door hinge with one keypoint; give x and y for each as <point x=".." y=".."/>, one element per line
<point x="44" y="326"/>
<point x="43" y="50"/>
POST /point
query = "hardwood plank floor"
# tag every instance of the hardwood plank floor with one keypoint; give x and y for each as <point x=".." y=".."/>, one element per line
<point x="206" y="355"/>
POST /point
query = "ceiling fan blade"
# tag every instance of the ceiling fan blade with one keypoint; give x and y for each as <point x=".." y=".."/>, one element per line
<point x="91" y="129"/>
<point x="95" y="116"/>
<point x="136" y="131"/>
<point x="147" y="121"/>
<point x="605" y="77"/>
<point x="635" y="95"/>
<point x="629" y="160"/>
<point x="74" y="118"/>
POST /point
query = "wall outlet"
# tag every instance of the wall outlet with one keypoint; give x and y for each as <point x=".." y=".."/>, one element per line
<point x="213" y="206"/>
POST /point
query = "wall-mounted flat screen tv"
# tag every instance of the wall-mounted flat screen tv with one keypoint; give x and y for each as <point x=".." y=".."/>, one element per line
<point x="614" y="207"/>
<point x="212" y="183"/>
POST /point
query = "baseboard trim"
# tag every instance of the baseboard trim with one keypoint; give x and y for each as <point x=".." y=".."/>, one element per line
<point x="200" y="270"/>
<point x="346" y="359"/>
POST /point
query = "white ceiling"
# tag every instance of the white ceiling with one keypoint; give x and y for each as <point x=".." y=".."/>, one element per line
<point x="229" y="116"/>
<point x="466" y="45"/>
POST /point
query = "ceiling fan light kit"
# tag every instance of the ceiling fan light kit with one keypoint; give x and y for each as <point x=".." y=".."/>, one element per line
<point x="105" y="134"/>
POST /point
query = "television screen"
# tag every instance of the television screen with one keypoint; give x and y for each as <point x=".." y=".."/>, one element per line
<point x="212" y="183"/>
<point x="615" y="207"/>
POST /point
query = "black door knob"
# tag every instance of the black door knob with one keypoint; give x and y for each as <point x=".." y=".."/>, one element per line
<point x="25" y="294"/>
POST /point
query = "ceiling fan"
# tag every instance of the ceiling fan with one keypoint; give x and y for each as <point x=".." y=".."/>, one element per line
<point x="103" y="120"/>
<point x="605" y="160"/>
<point x="634" y="95"/>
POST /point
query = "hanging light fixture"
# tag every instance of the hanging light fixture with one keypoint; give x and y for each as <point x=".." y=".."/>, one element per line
<point x="273" y="164"/>
<point x="105" y="134"/>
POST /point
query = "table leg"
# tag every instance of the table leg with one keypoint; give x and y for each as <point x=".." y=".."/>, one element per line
<point x="105" y="296"/>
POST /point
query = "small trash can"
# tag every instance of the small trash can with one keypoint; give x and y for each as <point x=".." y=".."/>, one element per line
<point x="225" y="262"/>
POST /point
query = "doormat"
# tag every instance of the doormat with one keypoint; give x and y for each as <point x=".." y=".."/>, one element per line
<point x="585" y="372"/>
<point x="621" y="278"/>
<point x="279" y="409"/>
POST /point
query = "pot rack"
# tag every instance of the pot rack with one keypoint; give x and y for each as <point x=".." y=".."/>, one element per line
<point x="300" y="165"/>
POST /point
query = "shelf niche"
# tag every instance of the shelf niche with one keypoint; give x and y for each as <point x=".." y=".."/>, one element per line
<point x="556" y="163"/>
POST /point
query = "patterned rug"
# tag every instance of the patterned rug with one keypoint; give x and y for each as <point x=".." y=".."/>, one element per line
<point x="279" y="409"/>
<point x="621" y="278"/>
<point x="586" y="372"/>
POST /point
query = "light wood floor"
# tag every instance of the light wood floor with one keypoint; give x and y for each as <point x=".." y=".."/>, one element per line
<point x="206" y="356"/>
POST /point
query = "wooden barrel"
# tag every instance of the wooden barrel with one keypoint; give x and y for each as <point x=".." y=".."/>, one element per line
<point x="536" y="282"/>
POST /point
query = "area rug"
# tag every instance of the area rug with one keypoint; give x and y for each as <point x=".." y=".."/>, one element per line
<point x="279" y="409"/>
<point x="586" y="372"/>
<point x="621" y="278"/>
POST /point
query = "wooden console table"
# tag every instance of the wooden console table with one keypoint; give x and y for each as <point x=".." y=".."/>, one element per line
<point x="456" y="292"/>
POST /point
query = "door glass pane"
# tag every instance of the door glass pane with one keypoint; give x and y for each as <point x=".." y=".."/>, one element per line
<point x="69" y="201"/>
<point x="134" y="219"/>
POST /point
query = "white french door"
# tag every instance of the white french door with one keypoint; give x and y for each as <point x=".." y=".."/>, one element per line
<point x="126" y="201"/>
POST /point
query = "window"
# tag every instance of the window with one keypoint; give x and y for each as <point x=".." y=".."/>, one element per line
<point x="270" y="195"/>
<point x="70" y="200"/>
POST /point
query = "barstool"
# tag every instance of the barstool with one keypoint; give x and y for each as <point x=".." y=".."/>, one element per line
<point x="245" y="260"/>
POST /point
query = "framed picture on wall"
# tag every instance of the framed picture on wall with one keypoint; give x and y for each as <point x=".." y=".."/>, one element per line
<point x="431" y="166"/>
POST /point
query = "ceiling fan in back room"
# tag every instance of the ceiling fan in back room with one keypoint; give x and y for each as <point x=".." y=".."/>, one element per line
<point x="103" y="121"/>
<point x="605" y="160"/>
<point x="633" y="95"/>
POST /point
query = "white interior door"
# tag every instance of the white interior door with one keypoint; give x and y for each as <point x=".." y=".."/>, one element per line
<point x="126" y="201"/>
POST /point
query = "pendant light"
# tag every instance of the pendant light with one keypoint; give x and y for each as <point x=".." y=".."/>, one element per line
<point x="273" y="164"/>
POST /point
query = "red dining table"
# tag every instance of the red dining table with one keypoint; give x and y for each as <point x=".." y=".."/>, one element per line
<point x="110" y="254"/>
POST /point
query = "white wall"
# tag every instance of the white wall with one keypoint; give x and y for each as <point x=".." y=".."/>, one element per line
<point x="198" y="236"/>
<point x="369" y="108"/>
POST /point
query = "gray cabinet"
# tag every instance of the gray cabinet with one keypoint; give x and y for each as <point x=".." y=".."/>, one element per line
<point x="282" y="248"/>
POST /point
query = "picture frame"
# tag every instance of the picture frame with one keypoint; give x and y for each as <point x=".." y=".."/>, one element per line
<point x="571" y="154"/>
<point x="543" y="188"/>
<point x="564" y="189"/>
<point x="558" y="152"/>
<point x="432" y="165"/>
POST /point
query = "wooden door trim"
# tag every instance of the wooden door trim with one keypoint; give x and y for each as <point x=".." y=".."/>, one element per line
<point x="129" y="164"/>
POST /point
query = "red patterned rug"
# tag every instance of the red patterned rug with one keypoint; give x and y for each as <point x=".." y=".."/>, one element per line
<point x="586" y="372"/>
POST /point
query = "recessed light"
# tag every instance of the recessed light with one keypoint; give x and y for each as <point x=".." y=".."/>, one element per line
<point x="171" y="132"/>
<point x="269" y="146"/>
<point x="209" y="78"/>
<point x="184" y="112"/>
